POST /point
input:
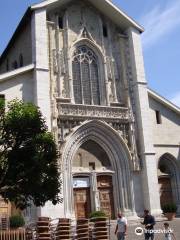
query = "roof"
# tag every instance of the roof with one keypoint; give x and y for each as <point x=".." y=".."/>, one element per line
<point x="16" y="72"/>
<point x="23" y="22"/>
<point x="164" y="101"/>
<point x="105" y="6"/>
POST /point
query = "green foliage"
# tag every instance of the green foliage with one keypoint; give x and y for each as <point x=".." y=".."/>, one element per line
<point x="28" y="157"/>
<point x="97" y="214"/>
<point x="169" y="208"/>
<point x="2" y="104"/>
<point x="16" y="221"/>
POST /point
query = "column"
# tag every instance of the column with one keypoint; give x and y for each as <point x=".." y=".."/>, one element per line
<point x="40" y="58"/>
<point x="42" y="99"/>
<point x="145" y="133"/>
<point x="95" y="192"/>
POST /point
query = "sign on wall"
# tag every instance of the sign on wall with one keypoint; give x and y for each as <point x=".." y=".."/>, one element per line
<point x="81" y="182"/>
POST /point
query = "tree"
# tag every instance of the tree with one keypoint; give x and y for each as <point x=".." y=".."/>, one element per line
<point x="28" y="157"/>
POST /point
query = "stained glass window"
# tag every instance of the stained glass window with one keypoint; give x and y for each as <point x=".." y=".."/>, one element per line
<point x="85" y="76"/>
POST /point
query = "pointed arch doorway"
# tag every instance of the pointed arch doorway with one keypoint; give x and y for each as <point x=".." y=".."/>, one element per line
<point x="116" y="163"/>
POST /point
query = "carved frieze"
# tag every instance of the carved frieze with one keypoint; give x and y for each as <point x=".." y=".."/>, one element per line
<point x="92" y="112"/>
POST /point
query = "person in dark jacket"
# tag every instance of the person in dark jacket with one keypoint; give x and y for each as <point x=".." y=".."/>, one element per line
<point x="149" y="222"/>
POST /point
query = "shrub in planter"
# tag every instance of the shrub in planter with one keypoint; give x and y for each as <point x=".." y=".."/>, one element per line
<point x="97" y="214"/>
<point x="169" y="208"/>
<point x="16" y="221"/>
<point x="169" y="211"/>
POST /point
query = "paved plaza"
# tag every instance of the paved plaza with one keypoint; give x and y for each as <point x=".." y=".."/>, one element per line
<point x="175" y="226"/>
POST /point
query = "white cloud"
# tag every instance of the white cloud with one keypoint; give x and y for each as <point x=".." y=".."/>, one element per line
<point x="176" y="99"/>
<point x="160" y="22"/>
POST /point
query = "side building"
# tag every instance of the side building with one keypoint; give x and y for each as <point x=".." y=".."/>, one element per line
<point x="82" y="64"/>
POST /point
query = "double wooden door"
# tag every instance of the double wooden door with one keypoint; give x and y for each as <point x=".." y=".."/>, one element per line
<point x="82" y="202"/>
<point x="82" y="198"/>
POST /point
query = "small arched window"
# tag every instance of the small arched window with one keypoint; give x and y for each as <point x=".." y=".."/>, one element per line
<point x="21" y="63"/>
<point x="85" y="76"/>
<point x="15" y="65"/>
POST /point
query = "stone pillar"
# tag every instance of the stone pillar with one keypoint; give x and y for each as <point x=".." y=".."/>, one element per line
<point x="145" y="131"/>
<point x="95" y="192"/>
<point x="42" y="85"/>
<point x="124" y="69"/>
<point x="40" y="58"/>
<point x="58" y="79"/>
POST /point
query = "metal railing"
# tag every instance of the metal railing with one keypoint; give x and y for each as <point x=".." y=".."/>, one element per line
<point x="13" y="234"/>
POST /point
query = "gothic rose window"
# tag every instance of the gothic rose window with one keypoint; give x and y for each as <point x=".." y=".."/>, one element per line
<point x="85" y="76"/>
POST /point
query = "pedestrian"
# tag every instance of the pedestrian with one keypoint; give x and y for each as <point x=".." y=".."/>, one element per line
<point x="149" y="222"/>
<point x="121" y="227"/>
<point x="169" y="235"/>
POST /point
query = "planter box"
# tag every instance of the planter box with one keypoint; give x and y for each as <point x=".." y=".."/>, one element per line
<point x="170" y="216"/>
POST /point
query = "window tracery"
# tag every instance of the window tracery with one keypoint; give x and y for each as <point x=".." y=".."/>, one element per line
<point x="85" y="76"/>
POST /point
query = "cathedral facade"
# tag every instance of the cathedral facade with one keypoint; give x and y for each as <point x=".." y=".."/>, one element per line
<point x="81" y="62"/>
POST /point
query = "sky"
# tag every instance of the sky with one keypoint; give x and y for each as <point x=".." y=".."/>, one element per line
<point x="160" y="41"/>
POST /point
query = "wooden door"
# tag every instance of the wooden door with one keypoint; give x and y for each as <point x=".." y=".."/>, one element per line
<point x="165" y="189"/>
<point x="106" y="195"/>
<point x="5" y="208"/>
<point x="82" y="202"/>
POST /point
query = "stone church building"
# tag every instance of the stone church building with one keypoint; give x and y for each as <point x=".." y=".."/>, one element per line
<point x="81" y="62"/>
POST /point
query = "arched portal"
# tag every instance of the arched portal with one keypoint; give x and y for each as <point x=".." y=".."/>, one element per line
<point x="115" y="163"/>
<point x="169" y="178"/>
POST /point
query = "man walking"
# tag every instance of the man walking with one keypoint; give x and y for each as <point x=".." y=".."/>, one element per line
<point x="121" y="227"/>
<point x="149" y="222"/>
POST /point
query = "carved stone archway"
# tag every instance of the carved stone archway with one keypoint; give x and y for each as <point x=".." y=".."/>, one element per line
<point x="119" y="156"/>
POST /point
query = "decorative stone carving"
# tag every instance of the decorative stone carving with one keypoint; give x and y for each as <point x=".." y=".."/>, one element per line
<point x="62" y="62"/>
<point x="92" y="112"/>
<point x="85" y="34"/>
<point x="115" y="148"/>
<point x="72" y="115"/>
<point x="130" y="98"/>
<point x="55" y="64"/>
<point x="58" y="55"/>
<point x="112" y="76"/>
<point x="65" y="127"/>
<point x="123" y="130"/>
<point x="129" y="76"/>
<point x="109" y="68"/>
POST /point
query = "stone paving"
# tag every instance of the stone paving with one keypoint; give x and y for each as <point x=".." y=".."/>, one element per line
<point x="175" y="226"/>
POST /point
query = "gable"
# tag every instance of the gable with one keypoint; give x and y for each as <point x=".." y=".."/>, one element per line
<point x="104" y="6"/>
<point x="166" y="104"/>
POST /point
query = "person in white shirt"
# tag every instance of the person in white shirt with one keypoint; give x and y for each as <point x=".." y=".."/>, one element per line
<point x="169" y="235"/>
<point x="121" y="227"/>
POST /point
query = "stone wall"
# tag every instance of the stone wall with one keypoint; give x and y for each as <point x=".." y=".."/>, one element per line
<point x="168" y="132"/>
<point x="22" y="45"/>
<point x="20" y="87"/>
<point x="165" y="135"/>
